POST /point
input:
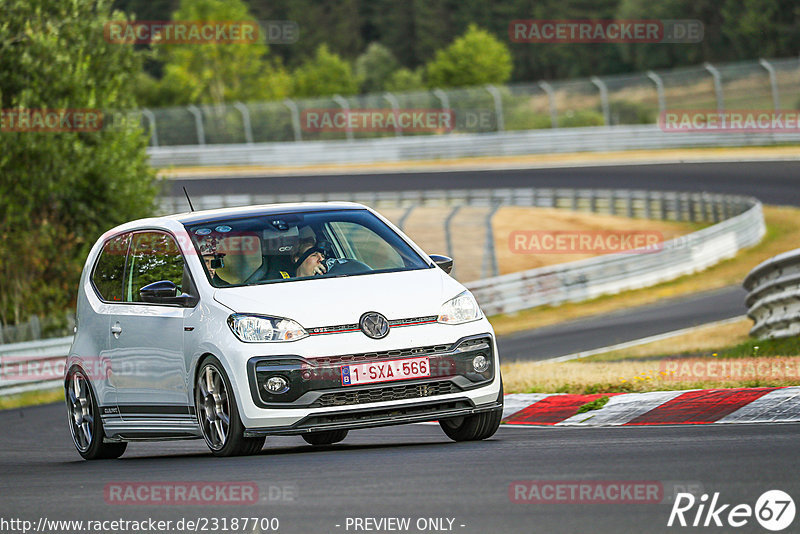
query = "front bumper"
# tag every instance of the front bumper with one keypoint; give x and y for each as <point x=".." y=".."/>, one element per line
<point x="317" y="382"/>
<point x="443" y="395"/>
<point x="381" y="416"/>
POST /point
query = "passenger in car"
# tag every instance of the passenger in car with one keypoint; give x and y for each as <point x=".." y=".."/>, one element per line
<point x="213" y="260"/>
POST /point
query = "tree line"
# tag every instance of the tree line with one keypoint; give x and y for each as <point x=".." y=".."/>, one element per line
<point x="358" y="46"/>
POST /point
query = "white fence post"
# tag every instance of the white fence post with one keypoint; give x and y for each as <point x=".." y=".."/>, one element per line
<point x="498" y="106"/>
<point x="248" y="130"/>
<point x="773" y="82"/>
<point x="551" y="99"/>
<point x="339" y="99"/>
<point x="600" y="84"/>
<point x="717" y="85"/>
<point x="289" y="103"/>
<point x="198" y="123"/>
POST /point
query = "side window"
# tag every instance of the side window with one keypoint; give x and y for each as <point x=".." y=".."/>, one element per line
<point x="367" y="246"/>
<point x="110" y="266"/>
<point x="154" y="256"/>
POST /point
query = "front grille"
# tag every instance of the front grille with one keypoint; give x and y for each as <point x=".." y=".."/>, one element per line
<point x="376" y="356"/>
<point x="383" y="394"/>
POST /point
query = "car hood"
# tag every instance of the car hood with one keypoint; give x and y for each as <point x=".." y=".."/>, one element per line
<point x="338" y="301"/>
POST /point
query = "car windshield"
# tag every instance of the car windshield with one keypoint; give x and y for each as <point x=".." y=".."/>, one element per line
<point x="273" y="248"/>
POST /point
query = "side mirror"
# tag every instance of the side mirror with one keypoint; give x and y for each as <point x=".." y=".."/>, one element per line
<point x="166" y="292"/>
<point x="444" y="263"/>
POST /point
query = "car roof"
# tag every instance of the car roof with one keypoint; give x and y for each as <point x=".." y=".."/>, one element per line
<point x="194" y="217"/>
<point x="197" y="217"/>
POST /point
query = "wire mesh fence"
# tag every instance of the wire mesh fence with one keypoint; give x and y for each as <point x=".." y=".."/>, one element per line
<point x="612" y="100"/>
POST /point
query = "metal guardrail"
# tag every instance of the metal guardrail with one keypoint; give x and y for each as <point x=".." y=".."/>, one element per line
<point x="33" y="365"/>
<point x="603" y="275"/>
<point x="39" y="365"/>
<point x="432" y="147"/>
<point x="773" y="298"/>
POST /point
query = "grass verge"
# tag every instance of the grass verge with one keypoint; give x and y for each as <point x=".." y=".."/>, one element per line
<point x="719" y="357"/>
<point x="32" y="398"/>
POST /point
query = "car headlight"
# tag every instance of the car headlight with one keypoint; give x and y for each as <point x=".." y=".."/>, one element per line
<point x="462" y="308"/>
<point x="261" y="328"/>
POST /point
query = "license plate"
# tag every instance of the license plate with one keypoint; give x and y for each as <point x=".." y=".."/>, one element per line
<point x="369" y="373"/>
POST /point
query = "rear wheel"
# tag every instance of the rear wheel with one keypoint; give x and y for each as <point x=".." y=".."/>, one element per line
<point x="327" y="437"/>
<point x="474" y="427"/>
<point x="217" y="414"/>
<point x="85" y="423"/>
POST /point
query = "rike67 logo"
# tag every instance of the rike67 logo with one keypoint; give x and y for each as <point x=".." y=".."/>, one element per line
<point x="774" y="510"/>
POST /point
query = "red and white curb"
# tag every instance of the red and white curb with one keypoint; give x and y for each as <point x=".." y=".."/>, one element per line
<point x="692" y="407"/>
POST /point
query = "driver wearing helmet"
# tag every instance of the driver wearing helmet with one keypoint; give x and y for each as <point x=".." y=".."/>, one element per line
<point x="213" y="261"/>
<point x="309" y="260"/>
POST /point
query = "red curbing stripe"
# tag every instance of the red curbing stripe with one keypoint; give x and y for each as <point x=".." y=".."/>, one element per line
<point x="553" y="409"/>
<point x="700" y="407"/>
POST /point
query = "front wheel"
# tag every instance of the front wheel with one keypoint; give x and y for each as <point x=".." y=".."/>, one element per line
<point x="327" y="437"/>
<point x="474" y="427"/>
<point x="217" y="414"/>
<point x="85" y="423"/>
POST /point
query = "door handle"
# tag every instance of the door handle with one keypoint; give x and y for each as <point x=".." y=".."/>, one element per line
<point x="116" y="330"/>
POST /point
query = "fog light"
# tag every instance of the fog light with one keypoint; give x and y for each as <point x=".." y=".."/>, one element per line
<point x="480" y="363"/>
<point x="276" y="385"/>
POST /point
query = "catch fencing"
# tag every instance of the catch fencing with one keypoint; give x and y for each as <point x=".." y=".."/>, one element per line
<point x="596" y="114"/>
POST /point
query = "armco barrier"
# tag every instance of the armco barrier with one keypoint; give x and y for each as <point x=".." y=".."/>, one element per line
<point x="602" y="275"/>
<point x="432" y="147"/>
<point x="773" y="298"/>
<point x="742" y="225"/>
<point x="33" y="365"/>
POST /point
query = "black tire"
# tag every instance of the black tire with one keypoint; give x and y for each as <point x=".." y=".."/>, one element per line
<point x="474" y="427"/>
<point x="214" y="406"/>
<point x="327" y="437"/>
<point x="85" y="422"/>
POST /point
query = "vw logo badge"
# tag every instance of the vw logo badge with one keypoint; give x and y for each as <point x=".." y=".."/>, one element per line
<point x="374" y="325"/>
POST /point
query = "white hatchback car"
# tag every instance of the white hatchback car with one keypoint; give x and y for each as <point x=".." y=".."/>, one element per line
<point x="236" y="324"/>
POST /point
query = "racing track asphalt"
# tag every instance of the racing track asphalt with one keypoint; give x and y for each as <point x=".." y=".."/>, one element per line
<point x="772" y="182"/>
<point x="405" y="471"/>
<point x="625" y="325"/>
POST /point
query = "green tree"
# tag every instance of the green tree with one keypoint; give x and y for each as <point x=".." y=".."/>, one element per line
<point x="325" y="74"/>
<point x="60" y="191"/>
<point x="216" y="73"/>
<point x="475" y="58"/>
<point x="374" y="67"/>
<point x="404" y="79"/>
